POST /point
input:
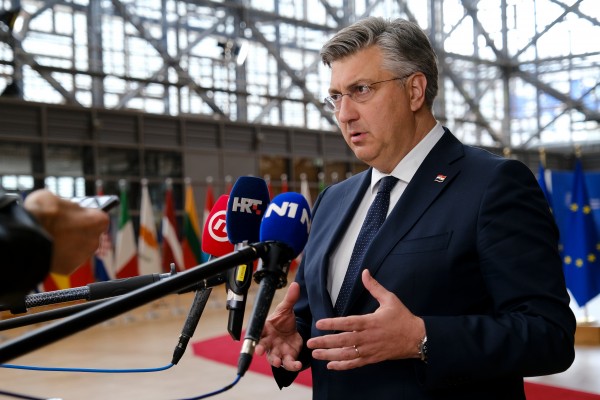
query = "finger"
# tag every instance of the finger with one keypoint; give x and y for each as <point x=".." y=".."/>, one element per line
<point x="346" y="365"/>
<point x="260" y="350"/>
<point x="381" y="294"/>
<point x="291" y="297"/>
<point x="342" y="324"/>
<point x="334" y="341"/>
<point x="290" y="364"/>
<point x="347" y="353"/>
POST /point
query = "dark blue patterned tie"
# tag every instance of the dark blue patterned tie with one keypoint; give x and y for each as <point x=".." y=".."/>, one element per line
<point x="373" y="221"/>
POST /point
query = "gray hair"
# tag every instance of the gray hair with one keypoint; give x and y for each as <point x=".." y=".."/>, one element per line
<point x="404" y="45"/>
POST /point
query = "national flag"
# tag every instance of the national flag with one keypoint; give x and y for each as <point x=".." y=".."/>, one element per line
<point x="321" y="181"/>
<point x="192" y="250"/>
<point x="104" y="261"/>
<point x="304" y="189"/>
<point x="269" y="188"/>
<point x="104" y="256"/>
<point x="55" y="281"/>
<point x="171" y="245"/>
<point x="284" y="183"/>
<point x="542" y="183"/>
<point x="580" y="256"/>
<point x="126" y="262"/>
<point x="228" y="185"/>
<point x="209" y="202"/>
<point x="83" y="275"/>
<point x="148" y="249"/>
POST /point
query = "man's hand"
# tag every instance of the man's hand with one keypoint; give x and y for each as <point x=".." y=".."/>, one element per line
<point x="75" y="230"/>
<point x="280" y="340"/>
<point x="392" y="332"/>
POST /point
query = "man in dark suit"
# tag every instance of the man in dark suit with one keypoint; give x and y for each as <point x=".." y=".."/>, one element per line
<point x="460" y="293"/>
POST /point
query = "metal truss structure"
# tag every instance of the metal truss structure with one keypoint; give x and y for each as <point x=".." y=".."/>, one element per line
<point x="515" y="74"/>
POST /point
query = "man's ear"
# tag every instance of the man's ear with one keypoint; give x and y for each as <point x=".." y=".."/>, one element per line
<point x="416" y="85"/>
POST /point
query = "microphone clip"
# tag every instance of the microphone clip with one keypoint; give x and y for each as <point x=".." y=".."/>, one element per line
<point x="276" y="261"/>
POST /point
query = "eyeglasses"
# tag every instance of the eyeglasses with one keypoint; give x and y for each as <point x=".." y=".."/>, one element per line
<point x="358" y="94"/>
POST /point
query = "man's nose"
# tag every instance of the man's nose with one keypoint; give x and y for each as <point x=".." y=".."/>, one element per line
<point x="347" y="110"/>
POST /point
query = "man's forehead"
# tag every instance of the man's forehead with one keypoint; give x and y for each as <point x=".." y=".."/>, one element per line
<point x="360" y="66"/>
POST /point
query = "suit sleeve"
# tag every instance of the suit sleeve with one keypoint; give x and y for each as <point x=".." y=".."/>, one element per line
<point x="530" y="330"/>
<point x="25" y="247"/>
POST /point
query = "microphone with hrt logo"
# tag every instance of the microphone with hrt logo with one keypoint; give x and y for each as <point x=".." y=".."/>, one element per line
<point x="247" y="203"/>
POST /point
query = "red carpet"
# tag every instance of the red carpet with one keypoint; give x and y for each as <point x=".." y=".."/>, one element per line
<point x="225" y="350"/>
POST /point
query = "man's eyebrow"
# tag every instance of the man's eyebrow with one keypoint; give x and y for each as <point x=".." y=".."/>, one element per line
<point x="348" y="87"/>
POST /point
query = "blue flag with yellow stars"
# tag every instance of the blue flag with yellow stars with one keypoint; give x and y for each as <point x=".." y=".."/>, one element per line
<point x="580" y="255"/>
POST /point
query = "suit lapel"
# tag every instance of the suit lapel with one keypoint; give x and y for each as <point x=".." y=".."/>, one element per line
<point x="435" y="174"/>
<point x="342" y="212"/>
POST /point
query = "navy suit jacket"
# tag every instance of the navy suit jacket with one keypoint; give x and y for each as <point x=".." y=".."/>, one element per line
<point x="475" y="255"/>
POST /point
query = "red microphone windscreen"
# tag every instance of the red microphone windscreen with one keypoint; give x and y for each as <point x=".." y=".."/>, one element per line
<point x="214" y="237"/>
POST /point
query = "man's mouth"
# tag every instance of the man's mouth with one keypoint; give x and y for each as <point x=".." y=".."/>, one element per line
<point x="356" y="136"/>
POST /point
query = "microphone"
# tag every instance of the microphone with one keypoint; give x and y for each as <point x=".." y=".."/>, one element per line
<point x="247" y="203"/>
<point x="215" y="243"/>
<point x="47" y="334"/>
<point x="285" y="228"/>
<point x="90" y="292"/>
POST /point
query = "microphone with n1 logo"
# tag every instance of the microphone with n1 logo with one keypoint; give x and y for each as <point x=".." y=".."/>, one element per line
<point x="285" y="228"/>
<point x="215" y="243"/>
<point x="248" y="201"/>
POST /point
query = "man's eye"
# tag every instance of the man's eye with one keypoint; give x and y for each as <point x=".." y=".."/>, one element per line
<point x="362" y="89"/>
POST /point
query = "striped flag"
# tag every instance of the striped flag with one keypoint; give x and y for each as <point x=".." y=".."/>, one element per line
<point x="228" y="185"/>
<point x="284" y="183"/>
<point x="304" y="189"/>
<point x="83" y="275"/>
<point x="104" y="257"/>
<point x="148" y="250"/>
<point x="192" y="251"/>
<point x="126" y="262"/>
<point x="321" y="181"/>
<point x="209" y="202"/>
<point x="268" y="180"/>
<point x="104" y="262"/>
<point x="56" y="282"/>
<point x="171" y="246"/>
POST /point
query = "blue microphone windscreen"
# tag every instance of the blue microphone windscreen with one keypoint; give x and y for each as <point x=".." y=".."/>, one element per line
<point x="287" y="220"/>
<point x="247" y="203"/>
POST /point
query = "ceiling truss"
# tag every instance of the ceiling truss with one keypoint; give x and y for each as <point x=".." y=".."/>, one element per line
<point x="282" y="80"/>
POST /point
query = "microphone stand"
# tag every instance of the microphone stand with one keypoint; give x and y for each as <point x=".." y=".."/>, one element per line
<point x="36" y="339"/>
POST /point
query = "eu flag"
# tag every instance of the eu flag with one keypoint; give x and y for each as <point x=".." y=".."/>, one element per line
<point x="580" y="256"/>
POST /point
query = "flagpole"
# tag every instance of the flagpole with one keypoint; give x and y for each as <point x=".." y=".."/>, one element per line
<point x="543" y="156"/>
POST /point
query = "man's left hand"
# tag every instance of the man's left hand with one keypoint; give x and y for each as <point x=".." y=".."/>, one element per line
<point x="392" y="332"/>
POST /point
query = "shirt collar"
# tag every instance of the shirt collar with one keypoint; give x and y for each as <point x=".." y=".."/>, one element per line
<point x="407" y="167"/>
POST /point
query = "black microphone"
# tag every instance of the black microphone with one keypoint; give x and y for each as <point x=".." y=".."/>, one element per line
<point x="214" y="242"/>
<point x="247" y="203"/>
<point x="285" y="228"/>
<point x="92" y="291"/>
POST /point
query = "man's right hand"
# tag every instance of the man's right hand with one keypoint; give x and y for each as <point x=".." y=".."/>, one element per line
<point x="280" y="340"/>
